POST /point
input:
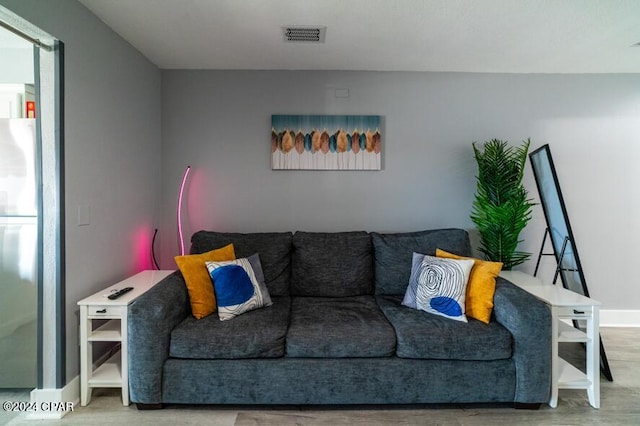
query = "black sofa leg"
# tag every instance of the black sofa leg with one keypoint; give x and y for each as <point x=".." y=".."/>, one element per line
<point x="141" y="406"/>
<point x="526" y="406"/>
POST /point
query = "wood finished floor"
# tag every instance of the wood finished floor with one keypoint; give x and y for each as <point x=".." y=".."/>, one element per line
<point x="620" y="404"/>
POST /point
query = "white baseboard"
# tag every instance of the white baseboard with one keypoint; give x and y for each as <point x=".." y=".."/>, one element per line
<point x="54" y="403"/>
<point x="619" y="318"/>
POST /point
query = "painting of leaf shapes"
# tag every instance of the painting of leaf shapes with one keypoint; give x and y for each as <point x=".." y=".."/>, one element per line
<point x="325" y="142"/>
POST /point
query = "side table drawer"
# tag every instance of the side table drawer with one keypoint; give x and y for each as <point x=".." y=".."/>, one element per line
<point x="106" y="311"/>
<point x="574" y="312"/>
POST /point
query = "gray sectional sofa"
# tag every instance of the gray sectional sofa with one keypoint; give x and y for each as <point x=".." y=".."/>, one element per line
<point x="336" y="332"/>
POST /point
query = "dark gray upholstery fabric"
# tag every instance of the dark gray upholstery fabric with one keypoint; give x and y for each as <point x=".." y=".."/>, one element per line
<point x="393" y="252"/>
<point x="338" y="328"/>
<point x="274" y="249"/>
<point x="529" y="322"/>
<point x="422" y="335"/>
<point x="255" y="334"/>
<point x="332" y="264"/>
<point x="150" y="319"/>
<point x="337" y="381"/>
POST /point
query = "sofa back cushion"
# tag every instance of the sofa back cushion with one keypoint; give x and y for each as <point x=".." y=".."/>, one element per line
<point x="332" y="264"/>
<point x="274" y="249"/>
<point x="393" y="254"/>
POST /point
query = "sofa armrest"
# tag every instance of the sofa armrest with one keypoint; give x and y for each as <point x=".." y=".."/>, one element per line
<point x="529" y="321"/>
<point x="151" y="318"/>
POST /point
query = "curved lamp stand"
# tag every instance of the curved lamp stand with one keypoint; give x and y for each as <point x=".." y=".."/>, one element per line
<point x="182" y="185"/>
<point x="153" y="250"/>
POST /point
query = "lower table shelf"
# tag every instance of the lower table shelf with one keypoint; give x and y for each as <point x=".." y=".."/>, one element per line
<point x="569" y="377"/>
<point x="109" y="374"/>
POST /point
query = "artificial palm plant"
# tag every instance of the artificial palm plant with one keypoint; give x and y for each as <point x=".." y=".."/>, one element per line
<point x="501" y="208"/>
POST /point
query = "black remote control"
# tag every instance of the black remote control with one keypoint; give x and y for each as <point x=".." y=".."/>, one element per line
<point x="119" y="293"/>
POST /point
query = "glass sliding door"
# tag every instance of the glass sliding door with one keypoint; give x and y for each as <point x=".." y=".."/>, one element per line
<point x="18" y="254"/>
<point x="19" y="225"/>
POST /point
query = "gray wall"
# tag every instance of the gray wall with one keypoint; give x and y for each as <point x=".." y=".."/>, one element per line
<point x="112" y="152"/>
<point x="219" y="121"/>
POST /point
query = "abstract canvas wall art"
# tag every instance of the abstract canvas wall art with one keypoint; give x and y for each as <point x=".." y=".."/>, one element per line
<point x="326" y="142"/>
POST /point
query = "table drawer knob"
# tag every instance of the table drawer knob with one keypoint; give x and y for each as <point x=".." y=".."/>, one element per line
<point x="100" y="310"/>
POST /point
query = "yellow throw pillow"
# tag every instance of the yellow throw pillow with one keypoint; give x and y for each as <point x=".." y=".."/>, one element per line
<point x="481" y="286"/>
<point x="196" y="276"/>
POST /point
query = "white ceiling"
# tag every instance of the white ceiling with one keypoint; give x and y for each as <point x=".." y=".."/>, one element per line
<point x="512" y="36"/>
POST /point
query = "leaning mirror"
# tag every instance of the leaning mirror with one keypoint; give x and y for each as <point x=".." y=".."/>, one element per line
<point x="559" y="231"/>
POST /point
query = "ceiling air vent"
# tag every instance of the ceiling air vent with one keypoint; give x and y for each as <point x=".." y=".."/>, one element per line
<point x="304" y="34"/>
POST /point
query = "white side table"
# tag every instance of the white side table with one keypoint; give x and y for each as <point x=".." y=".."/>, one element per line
<point x="113" y="373"/>
<point x="567" y="305"/>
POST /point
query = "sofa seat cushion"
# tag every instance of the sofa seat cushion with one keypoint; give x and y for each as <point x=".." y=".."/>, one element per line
<point x="348" y="327"/>
<point x="422" y="335"/>
<point x="255" y="334"/>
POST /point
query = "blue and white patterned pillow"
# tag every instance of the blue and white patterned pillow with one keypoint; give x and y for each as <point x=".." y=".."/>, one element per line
<point x="438" y="286"/>
<point x="239" y="286"/>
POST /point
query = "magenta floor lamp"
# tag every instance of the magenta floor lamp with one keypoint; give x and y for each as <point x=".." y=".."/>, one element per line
<point x="182" y="185"/>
